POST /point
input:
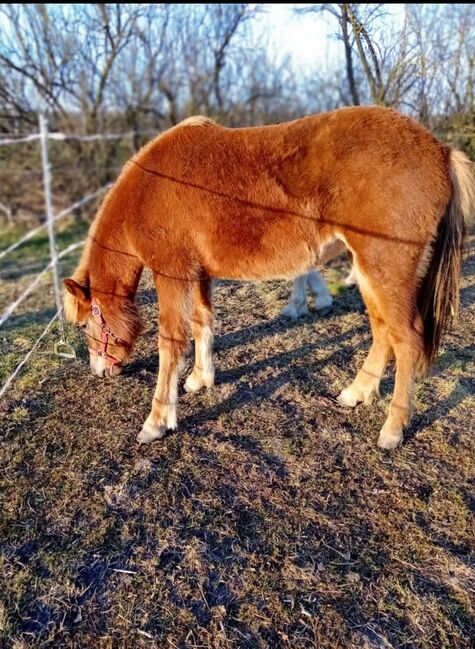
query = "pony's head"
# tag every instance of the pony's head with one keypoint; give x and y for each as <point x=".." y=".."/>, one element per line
<point x="111" y="325"/>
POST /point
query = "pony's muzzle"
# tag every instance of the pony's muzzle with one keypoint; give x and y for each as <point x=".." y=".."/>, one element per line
<point x="100" y="367"/>
<point x="114" y="370"/>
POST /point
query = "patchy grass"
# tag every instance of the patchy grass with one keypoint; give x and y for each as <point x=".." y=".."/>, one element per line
<point x="270" y="519"/>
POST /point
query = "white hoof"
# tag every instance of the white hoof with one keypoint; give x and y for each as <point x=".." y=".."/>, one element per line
<point x="348" y="397"/>
<point x="323" y="302"/>
<point x="196" y="381"/>
<point x="389" y="439"/>
<point x="193" y="383"/>
<point x="149" y="433"/>
<point x="293" y="312"/>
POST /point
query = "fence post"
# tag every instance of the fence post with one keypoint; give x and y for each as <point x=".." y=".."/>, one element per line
<point x="62" y="348"/>
<point x="8" y="213"/>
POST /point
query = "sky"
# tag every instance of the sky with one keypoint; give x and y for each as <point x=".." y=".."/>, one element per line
<point x="309" y="37"/>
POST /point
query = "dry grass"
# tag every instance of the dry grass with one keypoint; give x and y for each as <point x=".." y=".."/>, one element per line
<point x="270" y="519"/>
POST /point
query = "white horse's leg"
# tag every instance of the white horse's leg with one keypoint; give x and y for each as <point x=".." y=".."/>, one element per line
<point x="297" y="305"/>
<point x="322" y="298"/>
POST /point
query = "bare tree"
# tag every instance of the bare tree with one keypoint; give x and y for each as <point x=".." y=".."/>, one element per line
<point x="144" y="67"/>
<point x="341" y="13"/>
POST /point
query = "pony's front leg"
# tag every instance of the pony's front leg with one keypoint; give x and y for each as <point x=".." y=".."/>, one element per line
<point x="202" y="330"/>
<point x="172" y="342"/>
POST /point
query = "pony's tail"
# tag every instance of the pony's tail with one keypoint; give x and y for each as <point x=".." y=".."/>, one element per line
<point x="439" y="292"/>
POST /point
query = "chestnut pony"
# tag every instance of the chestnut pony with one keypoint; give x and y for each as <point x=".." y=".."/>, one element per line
<point x="203" y="201"/>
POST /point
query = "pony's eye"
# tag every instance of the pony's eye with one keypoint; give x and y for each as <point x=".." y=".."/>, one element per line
<point x="83" y="326"/>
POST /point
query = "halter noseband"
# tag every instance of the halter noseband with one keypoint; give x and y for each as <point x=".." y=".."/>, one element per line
<point x="105" y="334"/>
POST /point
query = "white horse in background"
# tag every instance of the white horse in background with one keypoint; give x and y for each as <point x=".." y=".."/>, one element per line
<point x="322" y="299"/>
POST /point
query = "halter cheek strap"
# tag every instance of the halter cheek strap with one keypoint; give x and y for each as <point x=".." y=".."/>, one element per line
<point x="106" y="333"/>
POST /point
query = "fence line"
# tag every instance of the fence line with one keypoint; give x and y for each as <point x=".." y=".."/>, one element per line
<point x="64" y="137"/>
<point x="29" y="235"/>
<point x="43" y="137"/>
<point x="17" y="370"/>
<point x="11" y="308"/>
<point x="43" y="124"/>
<point x="29" y="138"/>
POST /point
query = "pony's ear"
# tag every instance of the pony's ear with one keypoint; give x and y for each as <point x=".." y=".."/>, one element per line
<point x="81" y="293"/>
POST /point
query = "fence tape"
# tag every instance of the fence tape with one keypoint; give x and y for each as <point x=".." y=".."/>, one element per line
<point x="14" y="374"/>
<point x="28" y="138"/>
<point x="44" y="136"/>
<point x="58" y="216"/>
<point x="10" y="309"/>
<point x="64" y="137"/>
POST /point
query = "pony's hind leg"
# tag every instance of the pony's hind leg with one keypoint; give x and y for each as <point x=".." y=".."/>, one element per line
<point x="396" y="328"/>
<point x="407" y="343"/>
<point x="174" y="300"/>
<point x="366" y="384"/>
<point x="202" y="330"/>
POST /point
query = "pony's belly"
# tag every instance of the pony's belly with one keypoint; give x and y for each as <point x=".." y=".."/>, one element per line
<point x="286" y="262"/>
<point x="284" y="250"/>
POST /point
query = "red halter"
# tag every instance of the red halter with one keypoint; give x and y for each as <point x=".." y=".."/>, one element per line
<point x="105" y="333"/>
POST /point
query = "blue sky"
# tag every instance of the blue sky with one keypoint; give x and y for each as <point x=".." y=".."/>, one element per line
<point x="308" y="37"/>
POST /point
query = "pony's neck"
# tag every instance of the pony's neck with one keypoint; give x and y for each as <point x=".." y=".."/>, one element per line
<point x="109" y="264"/>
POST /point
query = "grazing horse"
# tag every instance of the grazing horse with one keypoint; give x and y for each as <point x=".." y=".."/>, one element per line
<point x="203" y="201"/>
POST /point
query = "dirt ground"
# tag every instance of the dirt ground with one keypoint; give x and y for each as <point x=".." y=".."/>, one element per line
<point x="269" y="519"/>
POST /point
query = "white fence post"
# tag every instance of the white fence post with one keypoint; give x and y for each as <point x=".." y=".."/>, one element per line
<point x="8" y="213"/>
<point x="62" y="348"/>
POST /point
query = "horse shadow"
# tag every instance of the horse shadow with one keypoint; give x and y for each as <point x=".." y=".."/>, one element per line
<point x="462" y="388"/>
<point x="284" y="372"/>
<point x="467" y="295"/>
<point x="230" y="340"/>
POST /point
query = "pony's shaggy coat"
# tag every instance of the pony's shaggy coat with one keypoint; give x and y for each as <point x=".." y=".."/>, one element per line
<point x="203" y="201"/>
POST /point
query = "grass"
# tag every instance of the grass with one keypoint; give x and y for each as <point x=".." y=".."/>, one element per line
<point x="270" y="519"/>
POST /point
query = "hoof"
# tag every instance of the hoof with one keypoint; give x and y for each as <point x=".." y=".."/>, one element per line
<point x="349" y="398"/>
<point x="293" y="312"/>
<point x="324" y="311"/>
<point x="195" y="382"/>
<point x="323" y="302"/>
<point x="352" y="396"/>
<point x="150" y="433"/>
<point x="390" y="440"/>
